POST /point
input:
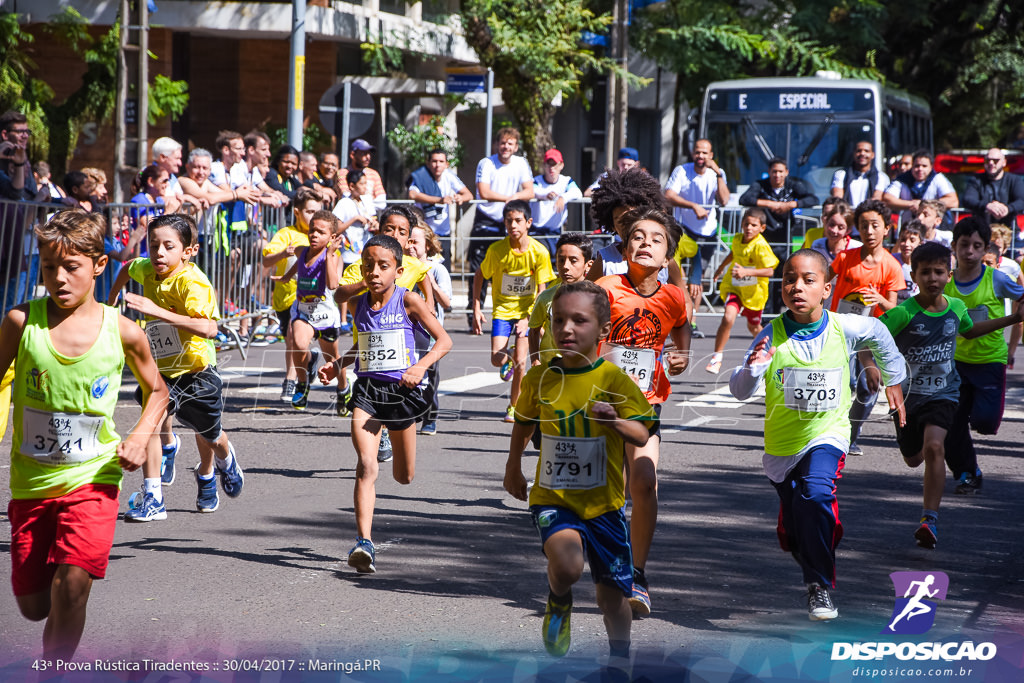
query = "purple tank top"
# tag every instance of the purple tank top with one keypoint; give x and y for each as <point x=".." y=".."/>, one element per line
<point x="312" y="279"/>
<point x="387" y="345"/>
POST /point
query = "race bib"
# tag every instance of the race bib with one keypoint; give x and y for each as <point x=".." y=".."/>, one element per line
<point x="164" y="341"/>
<point x="978" y="314"/>
<point x="570" y="463"/>
<point x="812" y="391"/>
<point x="318" y="312"/>
<point x="516" y="285"/>
<point x="382" y="351"/>
<point x="639" y="364"/>
<point x="854" y="307"/>
<point x="60" y="438"/>
<point x="744" y="281"/>
<point x="929" y="378"/>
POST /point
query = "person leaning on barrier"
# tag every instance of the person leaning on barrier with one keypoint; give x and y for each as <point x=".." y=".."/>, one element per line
<point x="921" y="182"/>
<point x="198" y="182"/>
<point x="552" y="190"/>
<point x="44" y="181"/>
<point x="167" y="155"/>
<point x="994" y="195"/>
<point x="231" y="146"/>
<point x="80" y="191"/>
<point x="435" y="187"/>
<point x="308" y="176"/>
<point x="861" y="180"/>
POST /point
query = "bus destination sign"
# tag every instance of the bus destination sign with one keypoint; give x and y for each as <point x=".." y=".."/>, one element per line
<point x="790" y="100"/>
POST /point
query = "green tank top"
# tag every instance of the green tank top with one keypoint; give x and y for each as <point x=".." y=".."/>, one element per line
<point x="982" y="304"/>
<point x="806" y="400"/>
<point x="64" y="433"/>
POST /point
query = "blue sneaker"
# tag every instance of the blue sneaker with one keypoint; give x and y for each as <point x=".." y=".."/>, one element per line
<point x="506" y="370"/>
<point x="231" y="479"/>
<point x="362" y="556"/>
<point x="206" y="500"/>
<point x="429" y="428"/>
<point x="926" y="534"/>
<point x="301" y="395"/>
<point x="167" y="463"/>
<point x="640" y="601"/>
<point x="148" y="510"/>
<point x="346" y="327"/>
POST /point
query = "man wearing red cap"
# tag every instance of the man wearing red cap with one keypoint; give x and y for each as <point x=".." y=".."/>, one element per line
<point x="552" y="190"/>
<point x="359" y="155"/>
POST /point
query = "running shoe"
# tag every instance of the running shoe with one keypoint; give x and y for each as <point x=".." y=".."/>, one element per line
<point x="287" y="390"/>
<point x="506" y="370"/>
<point x="301" y="396"/>
<point x="167" y="461"/>
<point x="362" y="556"/>
<point x="232" y="479"/>
<point x="640" y="601"/>
<point x="510" y="414"/>
<point x="926" y="534"/>
<point x="206" y="499"/>
<point x="429" y="428"/>
<point x="556" y="630"/>
<point x="695" y="333"/>
<point x="855" y="449"/>
<point x="715" y="366"/>
<point x="148" y="510"/>
<point x="341" y="401"/>
<point x="384" y="453"/>
<point x="969" y="484"/>
<point x="819" y="604"/>
<point x="346" y="327"/>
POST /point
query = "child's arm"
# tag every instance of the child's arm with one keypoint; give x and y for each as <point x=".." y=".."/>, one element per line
<point x="119" y="282"/>
<point x="288" y="275"/>
<point x="10" y="335"/>
<point x="417" y="310"/>
<point x="533" y="341"/>
<point x="329" y="371"/>
<point x="132" y="450"/>
<point x="873" y="297"/>
<point x="722" y="266"/>
<point x="515" y="482"/>
<point x="680" y="357"/>
<point x="596" y="271"/>
<point x="872" y="334"/>
<point x="746" y="271"/>
<point x="478" y="315"/>
<point x="333" y="272"/>
<point x="746" y="378"/>
<point x="675" y="274"/>
<point x="440" y="295"/>
<point x="984" y="327"/>
<point x="203" y="327"/>
<point x="633" y="432"/>
<point x="426" y="285"/>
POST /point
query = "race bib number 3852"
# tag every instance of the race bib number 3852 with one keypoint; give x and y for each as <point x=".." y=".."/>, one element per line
<point x="382" y="351"/>
<point x="571" y="463"/>
<point x="60" y="438"/>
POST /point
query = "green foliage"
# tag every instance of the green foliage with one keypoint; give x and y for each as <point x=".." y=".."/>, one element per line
<point x="167" y="97"/>
<point x="415" y="143"/>
<point x="18" y="88"/>
<point x="314" y="138"/>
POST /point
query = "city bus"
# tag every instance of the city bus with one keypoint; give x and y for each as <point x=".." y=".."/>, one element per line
<point x="813" y="123"/>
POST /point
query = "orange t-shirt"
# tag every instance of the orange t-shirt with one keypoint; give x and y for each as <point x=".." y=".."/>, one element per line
<point x="853" y="276"/>
<point x="640" y="325"/>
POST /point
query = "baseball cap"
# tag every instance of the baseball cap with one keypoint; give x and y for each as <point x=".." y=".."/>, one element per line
<point x="629" y="153"/>
<point x="361" y="145"/>
<point x="553" y="155"/>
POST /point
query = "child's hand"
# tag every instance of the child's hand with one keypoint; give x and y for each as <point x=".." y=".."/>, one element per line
<point x="137" y="302"/>
<point x="327" y="373"/>
<point x="522" y="327"/>
<point x="872" y="377"/>
<point x="603" y="412"/>
<point x="740" y="271"/>
<point x="894" y="395"/>
<point x="871" y="296"/>
<point x="478" y="322"/>
<point x="1018" y="312"/>
<point x="412" y="377"/>
<point x="131" y="455"/>
<point x="677" y="361"/>
<point x="515" y="483"/>
<point x="762" y="353"/>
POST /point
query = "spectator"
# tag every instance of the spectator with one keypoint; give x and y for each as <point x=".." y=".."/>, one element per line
<point x="329" y="165"/>
<point x="862" y="179"/>
<point x="500" y="178"/>
<point x="907" y="190"/>
<point x="627" y="158"/>
<point x="99" y="191"/>
<point x="436" y="188"/>
<point x="79" y="188"/>
<point x="247" y="171"/>
<point x="16" y="179"/>
<point x="360" y="155"/>
<point x="902" y="164"/>
<point x="167" y="155"/>
<point x="231" y="146"/>
<point x="309" y="176"/>
<point x="198" y="181"/>
<point x="18" y="265"/>
<point x="552" y="190"/>
<point x="149" y="187"/>
<point x="281" y="176"/>
<point x="995" y="195"/>
<point x="41" y="171"/>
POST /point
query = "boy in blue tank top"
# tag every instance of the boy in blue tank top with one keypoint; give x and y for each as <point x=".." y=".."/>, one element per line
<point x="389" y="392"/>
<point x="803" y="359"/>
<point x="68" y="352"/>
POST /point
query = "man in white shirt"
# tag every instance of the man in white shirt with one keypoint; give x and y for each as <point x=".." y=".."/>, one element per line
<point x="435" y="188"/>
<point x="693" y="190"/>
<point x="921" y="182"/>
<point x="862" y="179"/>
<point x="500" y="178"/>
<point x="551" y="191"/>
<point x="231" y="146"/>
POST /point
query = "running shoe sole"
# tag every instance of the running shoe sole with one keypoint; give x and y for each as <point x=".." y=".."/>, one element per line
<point x="361" y="561"/>
<point x="925" y="537"/>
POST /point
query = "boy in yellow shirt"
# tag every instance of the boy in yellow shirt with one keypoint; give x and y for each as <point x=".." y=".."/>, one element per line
<point x="574" y="256"/>
<point x="520" y="268"/>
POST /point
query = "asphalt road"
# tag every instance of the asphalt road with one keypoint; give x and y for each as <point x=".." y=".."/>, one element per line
<point x="259" y="590"/>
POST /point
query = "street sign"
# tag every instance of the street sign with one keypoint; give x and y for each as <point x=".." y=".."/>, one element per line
<point x="465" y="80"/>
<point x="361" y="111"/>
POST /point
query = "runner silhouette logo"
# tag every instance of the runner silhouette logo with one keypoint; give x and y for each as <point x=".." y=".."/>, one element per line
<point x="916" y="596"/>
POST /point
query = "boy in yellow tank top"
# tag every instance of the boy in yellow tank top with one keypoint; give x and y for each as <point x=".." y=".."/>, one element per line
<point x="66" y="457"/>
<point x="803" y="359"/>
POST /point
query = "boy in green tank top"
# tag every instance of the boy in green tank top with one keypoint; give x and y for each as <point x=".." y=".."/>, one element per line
<point x="66" y="457"/>
<point x="803" y="359"/>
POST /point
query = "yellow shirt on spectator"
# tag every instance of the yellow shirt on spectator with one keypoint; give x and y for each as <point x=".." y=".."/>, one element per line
<point x="284" y="290"/>
<point x="515" y="277"/>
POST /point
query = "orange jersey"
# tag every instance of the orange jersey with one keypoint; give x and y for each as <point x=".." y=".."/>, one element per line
<point x="853" y="276"/>
<point x="640" y="325"/>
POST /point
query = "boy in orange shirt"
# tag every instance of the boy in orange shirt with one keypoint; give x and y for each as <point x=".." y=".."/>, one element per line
<point x="865" y="276"/>
<point x="644" y="313"/>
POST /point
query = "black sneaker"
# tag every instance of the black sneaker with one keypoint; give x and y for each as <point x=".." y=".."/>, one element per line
<point x="969" y="484"/>
<point x="301" y="396"/>
<point x="287" y="390"/>
<point x="819" y="604"/>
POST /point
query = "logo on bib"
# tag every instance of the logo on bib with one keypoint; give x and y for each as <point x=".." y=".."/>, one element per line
<point x="99" y="387"/>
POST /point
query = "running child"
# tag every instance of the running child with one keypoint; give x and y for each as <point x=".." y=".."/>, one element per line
<point x="389" y="391"/>
<point x="574" y="256"/>
<point x="925" y="328"/>
<point x="180" y="308"/>
<point x="425" y="246"/>
<point x="645" y="312"/>
<point x="68" y="352"/>
<point x="802" y="358"/>
<point x="587" y="410"/>
<point x="357" y="221"/>
<point x="837" y="222"/>
<point x="868" y="282"/>
<point x="1002" y="239"/>
<point x="745" y="287"/>
<point x="520" y="268"/>
<point x="981" y="362"/>
<point x="279" y="253"/>
<point x="314" y="314"/>
<point x="909" y="240"/>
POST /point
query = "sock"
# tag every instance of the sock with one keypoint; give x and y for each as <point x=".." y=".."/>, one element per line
<point x="560" y="601"/>
<point x="205" y="477"/>
<point x="930" y="513"/>
<point x="716" y="356"/>
<point x="639" y="576"/>
<point x="227" y="462"/>
<point x="618" y="648"/>
<point x="154" y="488"/>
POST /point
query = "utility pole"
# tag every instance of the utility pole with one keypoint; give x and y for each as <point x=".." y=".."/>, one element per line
<point x="297" y="74"/>
<point x="618" y="96"/>
<point x="132" y="109"/>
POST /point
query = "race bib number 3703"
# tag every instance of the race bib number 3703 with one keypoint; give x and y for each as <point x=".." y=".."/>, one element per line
<point x="812" y="391"/>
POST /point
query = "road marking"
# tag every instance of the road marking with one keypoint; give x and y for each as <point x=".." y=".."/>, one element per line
<point x="477" y="380"/>
<point x="719" y="398"/>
